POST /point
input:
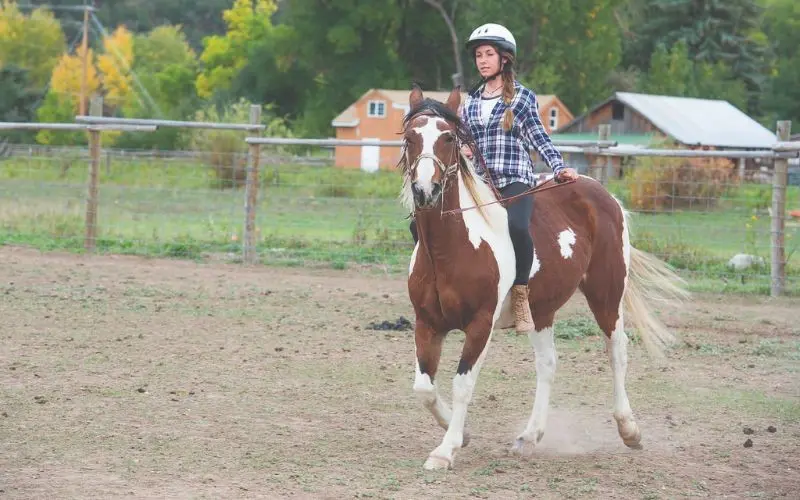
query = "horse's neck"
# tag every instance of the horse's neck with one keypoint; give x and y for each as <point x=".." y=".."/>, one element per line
<point x="443" y="228"/>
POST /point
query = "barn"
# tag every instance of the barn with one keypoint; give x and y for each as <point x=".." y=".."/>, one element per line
<point x="644" y="119"/>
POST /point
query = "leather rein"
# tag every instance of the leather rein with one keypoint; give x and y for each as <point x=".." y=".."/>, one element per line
<point x="449" y="170"/>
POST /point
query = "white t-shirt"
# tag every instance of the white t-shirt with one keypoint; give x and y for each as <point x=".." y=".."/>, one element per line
<point x="487" y="105"/>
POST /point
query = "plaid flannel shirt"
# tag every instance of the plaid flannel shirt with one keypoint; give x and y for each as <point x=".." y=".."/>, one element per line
<point x="507" y="154"/>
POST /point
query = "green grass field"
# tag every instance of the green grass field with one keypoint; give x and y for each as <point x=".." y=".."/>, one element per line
<point x="323" y="215"/>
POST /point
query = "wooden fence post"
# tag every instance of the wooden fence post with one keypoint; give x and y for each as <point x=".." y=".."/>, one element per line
<point x="602" y="170"/>
<point x="90" y="240"/>
<point x="779" y="181"/>
<point x="251" y="192"/>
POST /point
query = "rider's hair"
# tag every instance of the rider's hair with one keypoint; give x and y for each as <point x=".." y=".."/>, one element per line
<point x="509" y="75"/>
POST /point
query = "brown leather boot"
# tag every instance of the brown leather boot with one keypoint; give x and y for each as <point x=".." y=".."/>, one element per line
<point x="521" y="308"/>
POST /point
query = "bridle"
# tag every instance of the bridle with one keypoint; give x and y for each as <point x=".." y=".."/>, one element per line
<point x="446" y="170"/>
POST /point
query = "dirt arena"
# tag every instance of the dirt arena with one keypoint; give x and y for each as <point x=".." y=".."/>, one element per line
<point x="137" y="378"/>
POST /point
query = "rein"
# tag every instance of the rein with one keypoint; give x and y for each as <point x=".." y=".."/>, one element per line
<point x="449" y="170"/>
<point x="535" y="189"/>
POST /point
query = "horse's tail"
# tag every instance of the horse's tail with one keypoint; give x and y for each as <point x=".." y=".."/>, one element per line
<point x="650" y="279"/>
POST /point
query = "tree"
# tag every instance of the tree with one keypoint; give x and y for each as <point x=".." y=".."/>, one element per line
<point x="346" y="47"/>
<point x="670" y="72"/>
<point x="448" y="16"/>
<point x="673" y="73"/>
<point x="782" y="27"/>
<point x="115" y="65"/>
<point x="61" y="102"/>
<point x="248" y="22"/>
<point x="274" y="74"/>
<point x="18" y="99"/>
<point x="166" y="67"/>
<point x="714" y="31"/>
<point x="197" y="18"/>
<point x="33" y="42"/>
<point x="421" y="45"/>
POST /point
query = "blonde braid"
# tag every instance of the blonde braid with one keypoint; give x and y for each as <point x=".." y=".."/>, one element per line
<point x="508" y="91"/>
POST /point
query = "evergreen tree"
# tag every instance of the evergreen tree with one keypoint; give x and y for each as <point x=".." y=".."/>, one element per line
<point x="714" y="31"/>
<point x="18" y="100"/>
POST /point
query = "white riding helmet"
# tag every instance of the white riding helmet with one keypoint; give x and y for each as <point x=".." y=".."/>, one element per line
<point x="495" y="34"/>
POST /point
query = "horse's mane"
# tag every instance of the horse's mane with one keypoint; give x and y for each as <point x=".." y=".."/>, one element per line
<point x="432" y="107"/>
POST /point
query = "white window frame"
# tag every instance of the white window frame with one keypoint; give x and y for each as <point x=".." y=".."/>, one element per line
<point x="379" y="104"/>
<point x="553" y="118"/>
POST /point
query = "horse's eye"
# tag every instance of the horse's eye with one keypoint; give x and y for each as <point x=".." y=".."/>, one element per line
<point x="449" y="138"/>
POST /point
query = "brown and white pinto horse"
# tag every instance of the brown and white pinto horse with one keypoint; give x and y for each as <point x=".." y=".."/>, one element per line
<point x="463" y="266"/>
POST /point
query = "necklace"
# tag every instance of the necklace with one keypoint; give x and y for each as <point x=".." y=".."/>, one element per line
<point x="488" y="94"/>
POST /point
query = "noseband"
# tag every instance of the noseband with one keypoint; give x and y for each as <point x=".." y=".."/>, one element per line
<point x="447" y="170"/>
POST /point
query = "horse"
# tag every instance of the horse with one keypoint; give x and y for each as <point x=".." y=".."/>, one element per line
<point x="462" y="268"/>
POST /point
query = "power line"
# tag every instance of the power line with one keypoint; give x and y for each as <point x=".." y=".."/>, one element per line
<point x="104" y="33"/>
<point x="79" y="8"/>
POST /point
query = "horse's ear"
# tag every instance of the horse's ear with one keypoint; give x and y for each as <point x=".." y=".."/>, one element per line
<point x="454" y="100"/>
<point x="416" y="97"/>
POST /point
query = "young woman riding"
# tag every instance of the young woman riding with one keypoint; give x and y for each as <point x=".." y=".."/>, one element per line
<point x="503" y="117"/>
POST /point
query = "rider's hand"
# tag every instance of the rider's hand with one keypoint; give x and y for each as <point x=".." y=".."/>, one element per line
<point x="568" y="174"/>
<point x="467" y="151"/>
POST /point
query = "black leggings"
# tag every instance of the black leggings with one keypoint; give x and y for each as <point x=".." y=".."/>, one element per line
<point x="519" y="217"/>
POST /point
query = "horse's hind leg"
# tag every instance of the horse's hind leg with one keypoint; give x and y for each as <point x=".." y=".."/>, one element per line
<point x="476" y="344"/>
<point x="604" y="295"/>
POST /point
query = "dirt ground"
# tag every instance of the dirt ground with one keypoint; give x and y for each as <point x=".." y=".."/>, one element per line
<point x="129" y="377"/>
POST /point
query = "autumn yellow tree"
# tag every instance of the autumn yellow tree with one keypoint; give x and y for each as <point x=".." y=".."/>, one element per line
<point x="63" y="97"/>
<point x="115" y="66"/>
<point x="32" y="42"/>
<point x="67" y="75"/>
<point x="249" y="21"/>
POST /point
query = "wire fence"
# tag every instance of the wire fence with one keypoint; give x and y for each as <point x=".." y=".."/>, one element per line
<point x="722" y="221"/>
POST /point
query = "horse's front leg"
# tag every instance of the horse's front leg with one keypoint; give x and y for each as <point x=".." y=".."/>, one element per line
<point x="541" y="339"/>
<point x="476" y="344"/>
<point x="428" y="347"/>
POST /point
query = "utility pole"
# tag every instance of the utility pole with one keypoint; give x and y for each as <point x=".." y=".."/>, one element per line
<point x="85" y="57"/>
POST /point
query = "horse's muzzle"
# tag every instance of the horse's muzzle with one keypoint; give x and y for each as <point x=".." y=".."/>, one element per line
<point x="423" y="199"/>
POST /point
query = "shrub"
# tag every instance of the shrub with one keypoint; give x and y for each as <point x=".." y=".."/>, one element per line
<point x="658" y="183"/>
<point x="226" y="150"/>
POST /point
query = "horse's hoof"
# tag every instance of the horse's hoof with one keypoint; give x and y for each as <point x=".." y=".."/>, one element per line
<point x="435" y="462"/>
<point x="631" y="435"/>
<point x="519" y="447"/>
<point x="465" y="440"/>
<point x="634" y="445"/>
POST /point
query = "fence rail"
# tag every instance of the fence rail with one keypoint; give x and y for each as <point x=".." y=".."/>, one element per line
<point x="779" y="154"/>
<point x="287" y="141"/>
<point x="99" y="120"/>
<point x="77" y="127"/>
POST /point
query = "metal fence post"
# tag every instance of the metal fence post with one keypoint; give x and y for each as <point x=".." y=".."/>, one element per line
<point x="251" y="192"/>
<point x="602" y="170"/>
<point x="89" y="244"/>
<point x="779" y="181"/>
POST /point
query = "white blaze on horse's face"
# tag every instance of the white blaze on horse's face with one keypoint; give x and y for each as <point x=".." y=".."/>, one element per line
<point x="430" y="140"/>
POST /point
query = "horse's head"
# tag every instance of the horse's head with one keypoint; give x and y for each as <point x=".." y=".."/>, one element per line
<point x="433" y="135"/>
